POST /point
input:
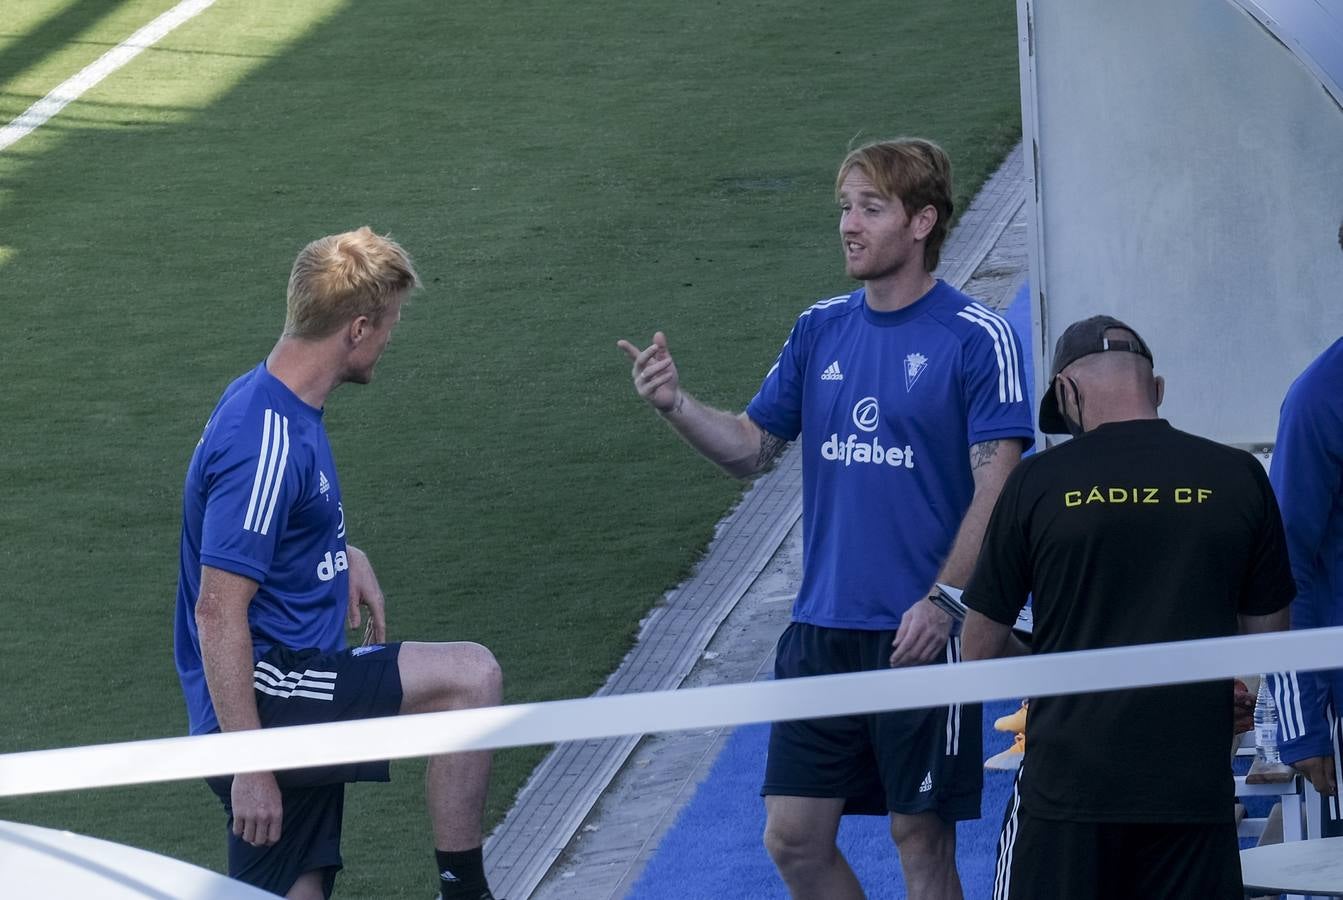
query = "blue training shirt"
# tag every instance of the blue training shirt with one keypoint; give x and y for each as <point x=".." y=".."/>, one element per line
<point x="262" y="501"/>
<point x="888" y="405"/>
<point x="1307" y="476"/>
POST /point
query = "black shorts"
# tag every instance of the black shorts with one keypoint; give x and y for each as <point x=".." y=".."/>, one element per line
<point x="908" y="762"/>
<point x="1045" y="859"/>
<point x="304" y="687"/>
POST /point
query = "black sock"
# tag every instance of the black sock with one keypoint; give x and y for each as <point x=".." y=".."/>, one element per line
<point x="461" y="874"/>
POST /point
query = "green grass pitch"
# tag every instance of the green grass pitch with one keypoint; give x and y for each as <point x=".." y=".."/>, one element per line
<point x="564" y="174"/>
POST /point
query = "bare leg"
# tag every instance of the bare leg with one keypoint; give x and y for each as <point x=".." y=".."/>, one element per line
<point x="800" y="837"/>
<point x="308" y="887"/>
<point x="927" y="847"/>
<point x="439" y="677"/>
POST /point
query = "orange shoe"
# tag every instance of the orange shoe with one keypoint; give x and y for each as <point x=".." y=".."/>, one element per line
<point x="1014" y="722"/>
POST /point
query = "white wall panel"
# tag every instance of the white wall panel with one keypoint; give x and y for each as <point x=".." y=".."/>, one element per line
<point x="1190" y="181"/>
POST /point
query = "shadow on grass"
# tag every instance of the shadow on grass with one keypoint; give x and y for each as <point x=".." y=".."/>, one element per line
<point x="50" y="35"/>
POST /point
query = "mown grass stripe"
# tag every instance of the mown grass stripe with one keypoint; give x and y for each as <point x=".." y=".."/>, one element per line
<point x="72" y="88"/>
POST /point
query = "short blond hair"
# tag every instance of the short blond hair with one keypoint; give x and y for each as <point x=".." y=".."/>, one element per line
<point x="340" y="277"/>
<point x="916" y="173"/>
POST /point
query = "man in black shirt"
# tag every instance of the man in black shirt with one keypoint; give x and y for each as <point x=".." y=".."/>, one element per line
<point x="1131" y="533"/>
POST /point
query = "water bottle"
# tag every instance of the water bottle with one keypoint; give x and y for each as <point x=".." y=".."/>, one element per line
<point x="1266" y="726"/>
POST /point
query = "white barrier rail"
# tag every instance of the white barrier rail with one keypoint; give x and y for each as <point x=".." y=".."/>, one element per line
<point x="139" y="762"/>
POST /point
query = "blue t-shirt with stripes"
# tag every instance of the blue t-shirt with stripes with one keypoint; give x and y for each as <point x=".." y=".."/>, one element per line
<point x="888" y="405"/>
<point x="262" y="500"/>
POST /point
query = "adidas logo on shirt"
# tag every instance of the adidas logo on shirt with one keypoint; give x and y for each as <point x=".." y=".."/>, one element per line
<point x="832" y="372"/>
<point x="322" y="484"/>
<point x="927" y="783"/>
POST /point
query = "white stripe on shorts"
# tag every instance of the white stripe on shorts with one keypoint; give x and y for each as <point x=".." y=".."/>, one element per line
<point x="270" y="680"/>
<point x="954" y="711"/>
<point x="1002" y="877"/>
<point x="1336" y="732"/>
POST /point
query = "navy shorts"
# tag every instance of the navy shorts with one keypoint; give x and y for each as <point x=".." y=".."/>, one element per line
<point x="305" y="687"/>
<point x="907" y="762"/>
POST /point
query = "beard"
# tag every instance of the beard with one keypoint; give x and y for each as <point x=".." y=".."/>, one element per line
<point x="875" y="270"/>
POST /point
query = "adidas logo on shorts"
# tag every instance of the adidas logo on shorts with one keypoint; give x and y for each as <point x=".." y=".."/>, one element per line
<point x="927" y="783"/>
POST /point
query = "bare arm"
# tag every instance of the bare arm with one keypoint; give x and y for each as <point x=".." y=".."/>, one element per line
<point x="733" y="442"/>
<point x="983" y="638"/>
<point x="924" y="628"/>
<point x="367" y="593"/>
<point x="226" y="652"/>
<point x="990" y="464"/>
<point x="226" y="646"/>
<point x="1274" y="621"/>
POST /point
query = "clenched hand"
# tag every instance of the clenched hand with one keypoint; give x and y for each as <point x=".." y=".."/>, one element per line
<point x="922" y="635"/>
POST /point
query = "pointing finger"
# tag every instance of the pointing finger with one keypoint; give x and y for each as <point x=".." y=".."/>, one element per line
<point x="630" y="350"/>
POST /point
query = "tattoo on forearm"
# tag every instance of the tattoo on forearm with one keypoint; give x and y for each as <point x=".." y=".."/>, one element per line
<point x="770" y="447"/>
<point x="982" y="454"/>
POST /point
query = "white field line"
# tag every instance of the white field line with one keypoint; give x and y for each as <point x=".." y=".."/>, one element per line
<point x="71" y="89"/>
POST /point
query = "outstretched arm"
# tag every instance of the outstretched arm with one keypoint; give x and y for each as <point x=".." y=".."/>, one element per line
<point x="226" y="651"/>
<point x="733" y="442"/>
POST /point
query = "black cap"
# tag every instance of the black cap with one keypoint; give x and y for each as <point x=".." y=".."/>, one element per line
<point x="1083" y="339"/>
